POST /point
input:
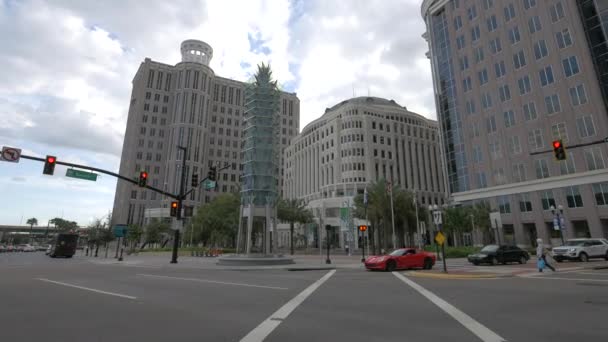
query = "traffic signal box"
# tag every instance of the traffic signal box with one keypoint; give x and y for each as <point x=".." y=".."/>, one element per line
<point x="559" y="150"/>
<point x="49" y="165"/>
<point x="143" y="179"/>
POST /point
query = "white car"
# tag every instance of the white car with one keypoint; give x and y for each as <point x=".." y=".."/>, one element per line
<point x="29" y="248"/>
<point x="581" y="249"/>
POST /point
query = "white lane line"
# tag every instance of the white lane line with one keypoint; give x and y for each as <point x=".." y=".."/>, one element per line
<point x="571" y="279"/>
<point x="87" y="288"/>
<point x="212" y="281"/>
<point x="265" y="328"/>
<point x="593" y="273"/>
<point x="475" y="327"/>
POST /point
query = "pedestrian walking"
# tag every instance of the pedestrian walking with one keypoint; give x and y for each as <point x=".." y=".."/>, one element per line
<point x="541" y="254"/>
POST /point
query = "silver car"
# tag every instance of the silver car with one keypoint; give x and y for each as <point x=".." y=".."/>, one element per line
<point x="581" y="249"/>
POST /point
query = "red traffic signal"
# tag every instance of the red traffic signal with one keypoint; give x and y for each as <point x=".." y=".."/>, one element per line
<point x="362" y="228"/>
<point x="559" y="150"/>
<point x="143" y="177"/>
<point x="49" y="165"/>
<point x="173" y="209"/>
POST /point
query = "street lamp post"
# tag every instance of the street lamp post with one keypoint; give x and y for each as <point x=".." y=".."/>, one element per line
<point x="558" y="217"/>
<point x="437" y="219"/>
<point x="327" y="228"/>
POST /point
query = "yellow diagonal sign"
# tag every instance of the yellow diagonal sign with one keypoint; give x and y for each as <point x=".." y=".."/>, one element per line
<point x="440" y="238"/>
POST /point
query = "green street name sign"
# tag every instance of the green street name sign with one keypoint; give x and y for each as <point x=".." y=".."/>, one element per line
<point x="81" y="174"/>
<point x="208" y="185"/>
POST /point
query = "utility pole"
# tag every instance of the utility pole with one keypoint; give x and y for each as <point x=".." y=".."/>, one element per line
<point x="390" y="189"/>
<point x="180" y="201"/>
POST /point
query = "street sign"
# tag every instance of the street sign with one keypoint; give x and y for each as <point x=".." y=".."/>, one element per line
<point x="10" y="154"/>
<point x="440" y="238"/>
<point x="437" y="217"/>
<point x="209" y="185"/>
<point x="555" y="223"/>
<point x="562" y="222"/>
<point x="81" y="174"/>
<point x="120" y="230"/>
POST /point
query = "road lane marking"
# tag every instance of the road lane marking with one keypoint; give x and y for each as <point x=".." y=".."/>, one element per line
<point x="594" y="273"/>
<point x="265" y="328"/>
<point x="475" y="327"/>
<point x="212" y="281"/>
<point x="87" y="288"/>
<point x="571" y="279"/>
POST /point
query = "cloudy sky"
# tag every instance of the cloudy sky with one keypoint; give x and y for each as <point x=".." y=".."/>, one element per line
<point x="67" y="67"/>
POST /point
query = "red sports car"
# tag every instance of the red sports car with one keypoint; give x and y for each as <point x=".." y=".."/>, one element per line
<point x="400" y="259"/>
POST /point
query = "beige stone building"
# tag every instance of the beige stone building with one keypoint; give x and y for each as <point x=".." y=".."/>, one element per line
<point x="511" y="77"/>
<point x="188" y="105"/>
<point x="356" y="142"/>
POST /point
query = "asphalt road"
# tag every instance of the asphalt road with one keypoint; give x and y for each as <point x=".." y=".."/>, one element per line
<point x="43" y="299"/>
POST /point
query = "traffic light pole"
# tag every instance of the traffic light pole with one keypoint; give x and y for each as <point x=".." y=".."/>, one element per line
<point x="180" y="201"/>
<point x="605" y="140"/>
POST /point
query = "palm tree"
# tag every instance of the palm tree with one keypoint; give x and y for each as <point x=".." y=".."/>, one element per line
<point x="292" y="211"/>
<point x="32" y="222"/>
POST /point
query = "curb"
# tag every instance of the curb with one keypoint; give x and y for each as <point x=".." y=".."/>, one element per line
<point x="319" y="268"/>
<point x="457" y="276"/>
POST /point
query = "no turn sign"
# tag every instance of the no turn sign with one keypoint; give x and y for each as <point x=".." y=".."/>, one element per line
<point x="10" y="154"/>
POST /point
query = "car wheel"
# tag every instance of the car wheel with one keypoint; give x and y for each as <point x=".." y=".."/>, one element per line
<point x="523" y="260"/>
<point x="494" y="261"/>
<point x="559" y="259"/>
<point x="476" y="263"/>
<point x="428" y="264"/>
<point x="391" y="266"/>
<point x="583" y="257"/>
<point x="606" y="256"/>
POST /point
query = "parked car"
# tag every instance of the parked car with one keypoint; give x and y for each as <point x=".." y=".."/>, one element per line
<point x="42" y="248"/>
<point x="28" y="248"/>
<point x="2" y="248"/>
<point x="10" y="248"/>
<point x="581" y="249"/>
<point x="494" y="254"/>
<point x="19" y="248"/>
<point x="401" y="258"/>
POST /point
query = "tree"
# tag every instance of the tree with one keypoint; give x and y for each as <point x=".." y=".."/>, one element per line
<point x="64" y="225"/>
<point x="134" y="235"/>
<point x="216" y="223"/>
<point x="292" y="211"/>
<point x="32" y="222"/>
<point x="155" y="230"/>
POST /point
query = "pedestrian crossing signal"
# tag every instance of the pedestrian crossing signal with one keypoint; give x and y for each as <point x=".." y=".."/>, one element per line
<point x="362" y="228"/>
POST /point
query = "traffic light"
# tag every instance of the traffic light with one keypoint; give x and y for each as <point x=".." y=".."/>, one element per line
<point x="194" y="180"/>
<point x="49" y="165"/>
<point x="212" y="173"/>
<point x="143" y="178"/>
<point x="173" y="208"/>
<point x="362" y="228"/>
<point x="559" y="150"/>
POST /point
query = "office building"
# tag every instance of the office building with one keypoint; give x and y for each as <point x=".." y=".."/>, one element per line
<point x="510" y="77"/>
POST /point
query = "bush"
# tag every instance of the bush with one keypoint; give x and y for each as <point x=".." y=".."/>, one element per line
<point x="455" y="252"/>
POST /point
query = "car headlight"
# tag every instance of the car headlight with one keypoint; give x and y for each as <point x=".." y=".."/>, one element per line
<point x="572" y="250"/>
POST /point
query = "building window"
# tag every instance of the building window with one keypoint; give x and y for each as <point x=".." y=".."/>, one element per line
<point x="476" y="130"/>
<point x="482" y="182"/>
<point x="535" y="139"/>
<point x="570" y="65"/>
<point x="505" y="93"/>
<point x="470" y="107"/>
<point x="578" y="95"/>
<point x="594" y="159"/>
<point x="483" y="76"/>
<point x="547" y="199"/>
<point x="519" y="59"/>
<point x="525" y="85"/>
<point x="467" y="84"/>
<point x="495" y="151"/>
<point x="557" y="12"/>
<point x="460" y="42"/>
<point x="573" y="197"/>
<point x="134" y="194"/>
<point x="504" y="205"/>
<point x="509" y="117"/>
<point x="529" y="3"/>
<point x="542" y="170"/>
<point x="514" y="145"/>
<point x="519" y="172"/>
<point x="495" y="46"/>
<point x="534" y="24"/>
<point x="552" y="104"/>
<point x="492" y="24"/>
<point x="563" y="39"/>
<point x="464" y="63"/>
<point x="514" y="36"/>
<point x="479" y="56"/>
<point x="488" y="4"/>
<point x="472" y="12"/>
<point x="509" y="12"/>
<point x="566" y="167"/>
<point x="457" y="23"/>
<point x="500" y="69"/>
<point x="530" y="111"/>
<point x="540" y="49"/>
<point x="585" y="126"/>
<point x="546" y="76"/>
<point x="486" y="100"/>
<point x="475" y="33"/>
<point x="600" y="190"/>
<point x="477" y="154"/>
<point x="525" y="205"/>
<point x="559" y="131"/>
